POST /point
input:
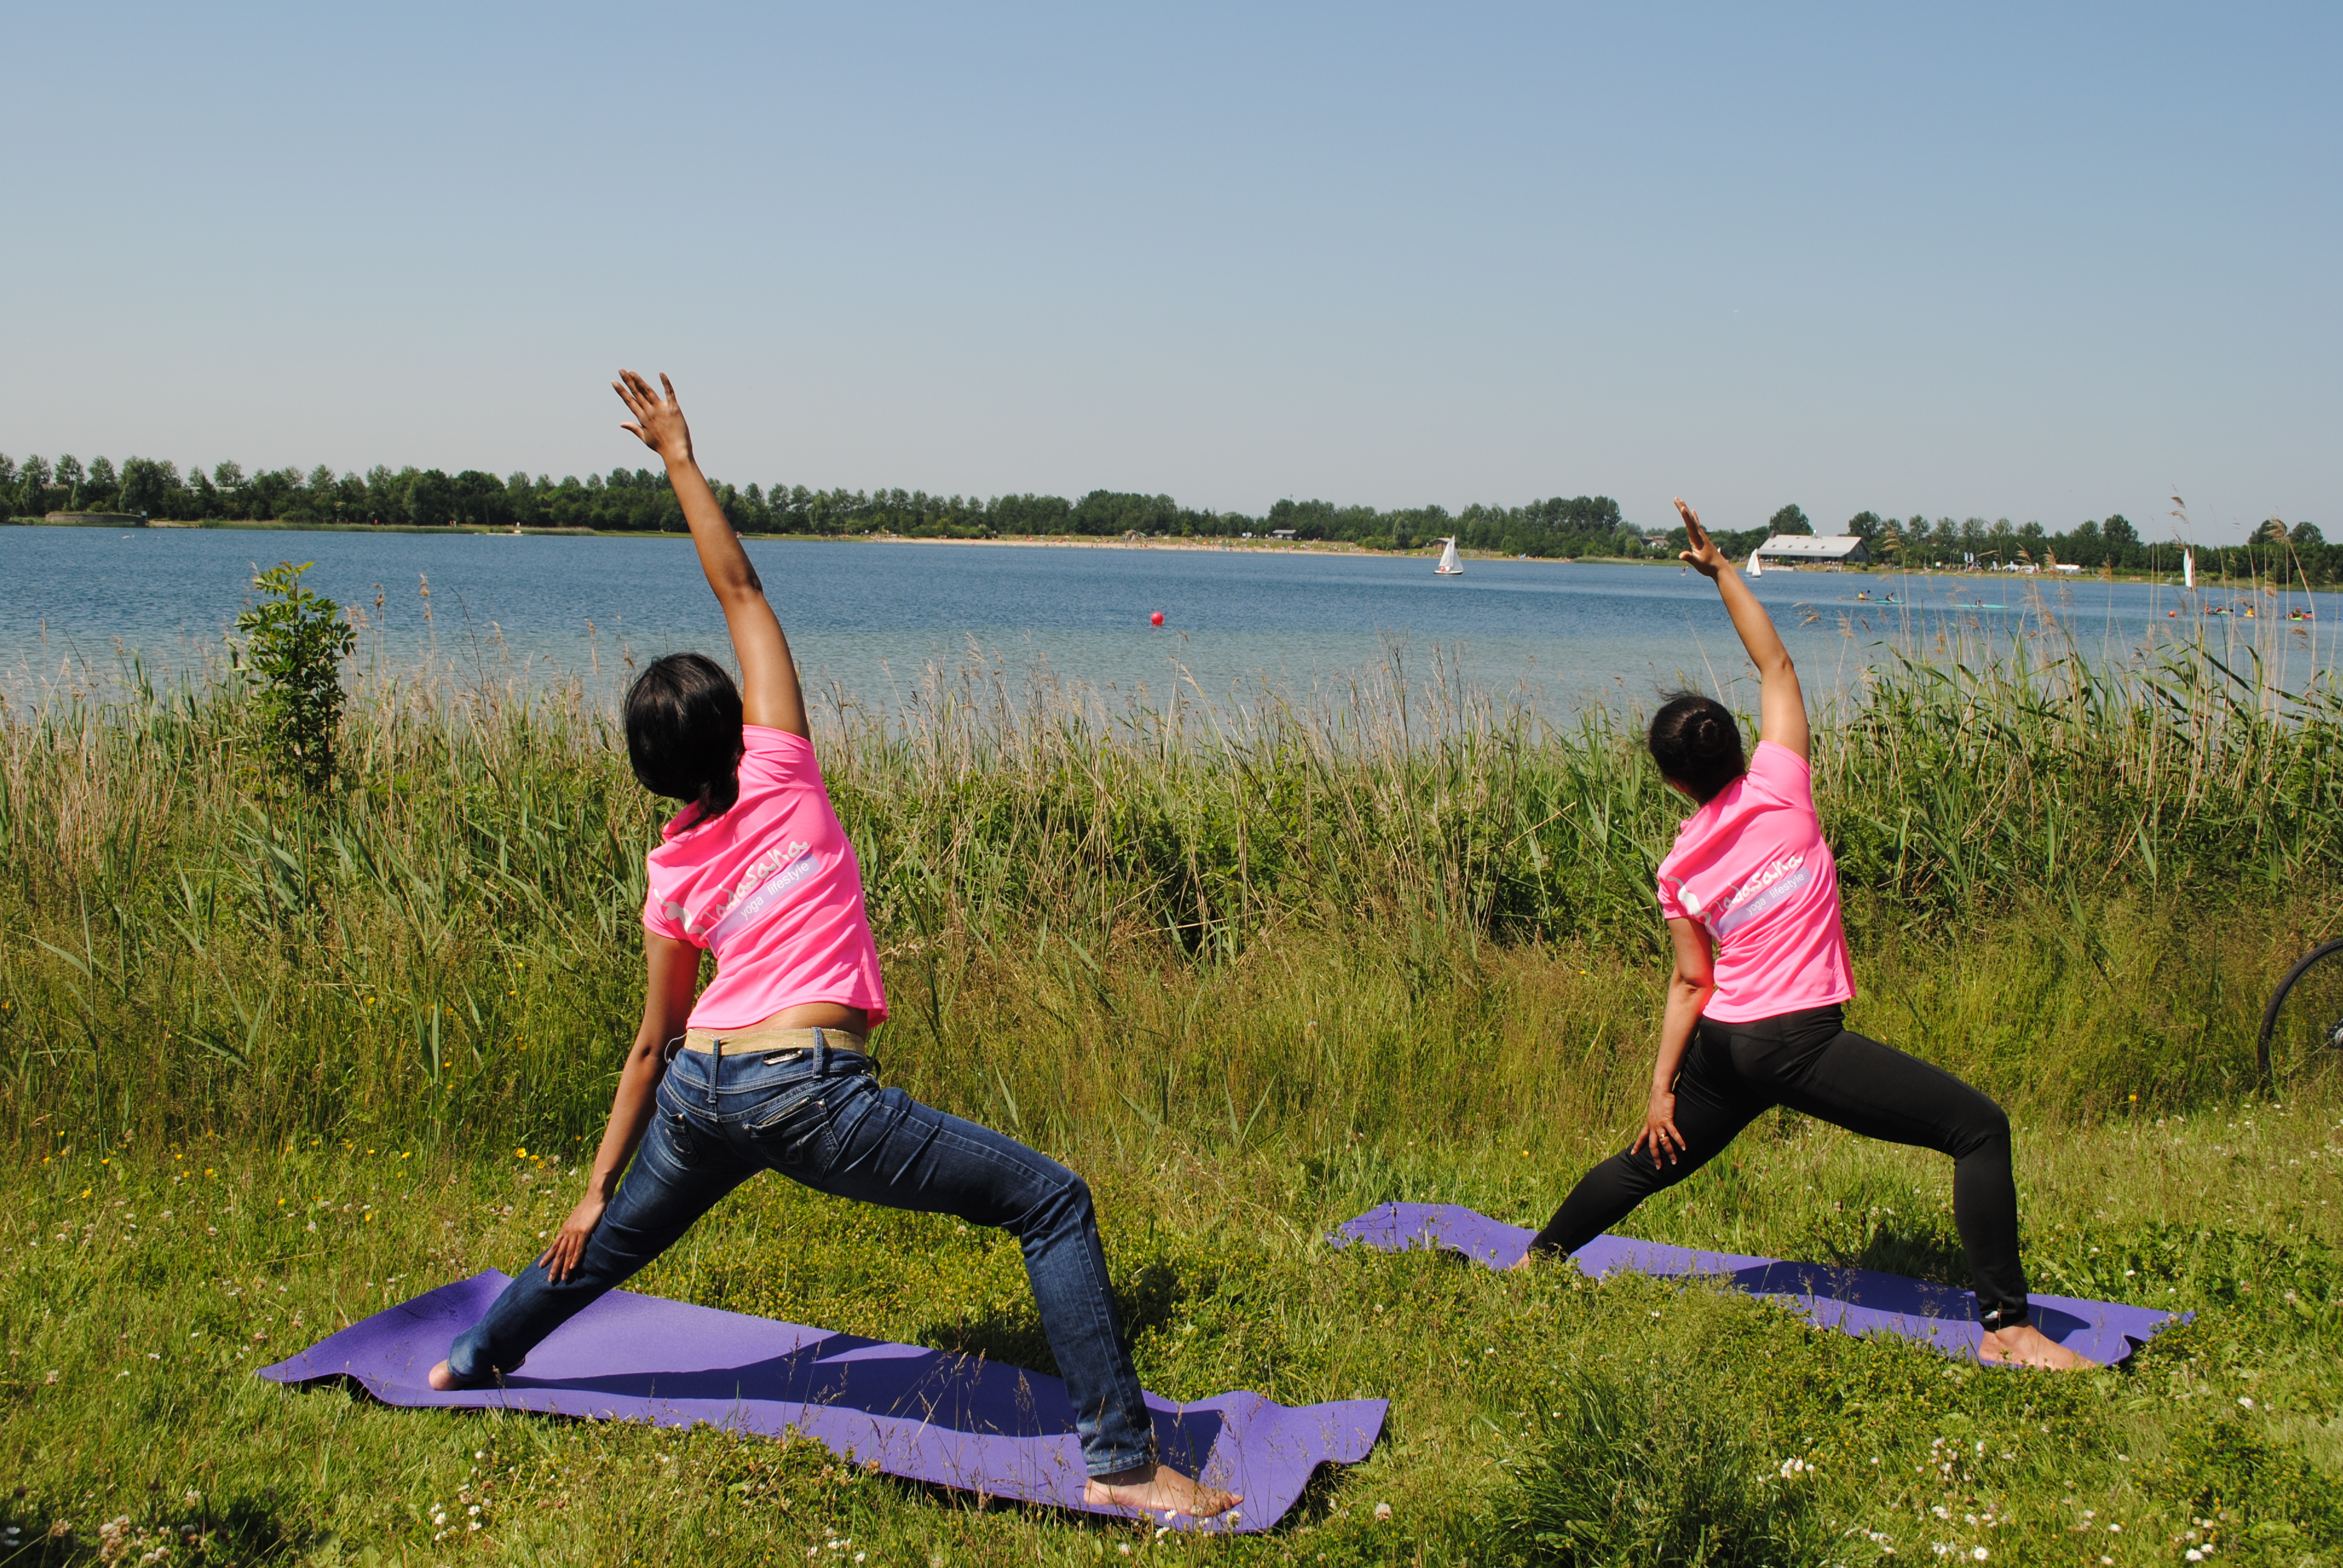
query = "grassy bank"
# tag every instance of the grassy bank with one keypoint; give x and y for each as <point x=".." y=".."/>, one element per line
<point x="1252" y="969"/>
<point x="212" y="1258"/>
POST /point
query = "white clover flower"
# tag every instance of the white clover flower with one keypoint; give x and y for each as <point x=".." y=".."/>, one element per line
<point x="1383" y="1511"/>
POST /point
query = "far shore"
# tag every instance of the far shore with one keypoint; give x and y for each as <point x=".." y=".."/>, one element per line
<point x="1027" y="541"/>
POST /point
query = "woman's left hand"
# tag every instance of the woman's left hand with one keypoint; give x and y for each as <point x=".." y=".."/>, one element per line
<point x="561" y="1258"/>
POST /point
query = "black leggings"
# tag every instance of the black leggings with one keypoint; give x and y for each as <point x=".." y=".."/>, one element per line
<point x="1809" y="1062"/>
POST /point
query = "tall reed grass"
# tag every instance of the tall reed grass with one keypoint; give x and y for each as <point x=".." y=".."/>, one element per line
<point x="1396" y="902"/>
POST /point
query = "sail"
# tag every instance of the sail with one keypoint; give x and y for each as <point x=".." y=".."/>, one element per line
<point x="2189" y="568"/>
<point x="1756" y="564"/>
<point x="1449" y="565"/>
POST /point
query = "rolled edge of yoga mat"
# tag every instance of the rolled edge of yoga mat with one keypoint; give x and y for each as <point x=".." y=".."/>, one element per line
<point x="1852" y="1300"/>
<point x="956" y="1421"/>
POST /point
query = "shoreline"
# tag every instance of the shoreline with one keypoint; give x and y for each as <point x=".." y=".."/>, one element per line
<point x="1048" y="541"/>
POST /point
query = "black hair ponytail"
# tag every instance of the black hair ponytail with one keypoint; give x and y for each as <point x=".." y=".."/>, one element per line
<point x="1697" y="744"/>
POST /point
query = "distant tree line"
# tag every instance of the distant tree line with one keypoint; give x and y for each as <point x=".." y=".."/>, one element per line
<point x="638" y="500"/>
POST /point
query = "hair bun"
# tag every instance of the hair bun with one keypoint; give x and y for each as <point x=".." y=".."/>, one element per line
<point x="1697" y="743"/>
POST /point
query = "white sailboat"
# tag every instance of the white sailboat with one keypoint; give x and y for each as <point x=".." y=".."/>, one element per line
<point x="1756" y="564"/>
<point x="1450" y="566"/>
<point x="2188" y="570"/>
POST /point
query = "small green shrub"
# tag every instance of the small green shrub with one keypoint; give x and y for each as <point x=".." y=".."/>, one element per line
<point x="1649" y="1473"/>
<point x="294" y="642"/>
<point x="2256" y="1496"/>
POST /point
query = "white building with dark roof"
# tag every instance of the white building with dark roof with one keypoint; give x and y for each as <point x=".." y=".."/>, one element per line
<point x="1816" y="549"/>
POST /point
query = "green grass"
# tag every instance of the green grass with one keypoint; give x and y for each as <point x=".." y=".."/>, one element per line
<point x="151" y="1285"/>
<point x="1251" y="970"/>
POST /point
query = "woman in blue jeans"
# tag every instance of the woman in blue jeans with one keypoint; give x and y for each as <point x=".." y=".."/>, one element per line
<point x="767" y="1069"/>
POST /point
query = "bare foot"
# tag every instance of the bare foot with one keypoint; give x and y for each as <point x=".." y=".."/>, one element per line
<point x="443" y="1378"/>
<point x="2029" y="1346"/>
<point x="1159" y="1489"/>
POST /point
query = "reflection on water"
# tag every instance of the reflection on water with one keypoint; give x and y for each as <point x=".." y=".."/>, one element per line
<point x="867" y="619"/>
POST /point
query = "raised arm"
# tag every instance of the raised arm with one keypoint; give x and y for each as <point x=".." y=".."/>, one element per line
<point x="769" y="694"/>
<point x="1781" y="705"/>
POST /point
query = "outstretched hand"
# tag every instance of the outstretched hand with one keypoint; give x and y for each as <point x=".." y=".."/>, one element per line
<point x="658" y="421"/>
<point x="1704" y="557"/>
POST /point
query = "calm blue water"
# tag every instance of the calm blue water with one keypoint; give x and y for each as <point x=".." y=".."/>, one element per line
<point x="870" y="616"/>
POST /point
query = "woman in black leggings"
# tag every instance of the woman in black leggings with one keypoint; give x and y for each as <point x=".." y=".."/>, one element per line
<point x="1750" y="896"/>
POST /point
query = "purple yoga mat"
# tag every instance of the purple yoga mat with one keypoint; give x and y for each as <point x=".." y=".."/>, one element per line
<point x="1852" y="1300"/>
<point x="928" y="1415"/>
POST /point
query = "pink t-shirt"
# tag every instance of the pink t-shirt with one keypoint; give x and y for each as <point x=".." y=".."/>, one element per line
<point x="772" y="889"/>
<point x="1752" y="868"/>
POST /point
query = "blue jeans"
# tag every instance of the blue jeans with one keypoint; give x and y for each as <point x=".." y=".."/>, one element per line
<point x="818" y="1117"/>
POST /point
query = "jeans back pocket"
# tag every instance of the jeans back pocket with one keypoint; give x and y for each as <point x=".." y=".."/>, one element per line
<point x="675" y="1131"/>
<point x="798" y="1131"/>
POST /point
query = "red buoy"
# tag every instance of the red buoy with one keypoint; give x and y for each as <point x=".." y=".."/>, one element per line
<point x="1155" y="619"/>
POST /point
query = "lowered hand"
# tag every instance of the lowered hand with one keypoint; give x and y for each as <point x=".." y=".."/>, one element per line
<point x="1659" y="1132"/>
<point x="558" y="1260"/>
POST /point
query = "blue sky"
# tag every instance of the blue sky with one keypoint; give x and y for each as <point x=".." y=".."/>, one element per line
<point x="2025" y="263"/>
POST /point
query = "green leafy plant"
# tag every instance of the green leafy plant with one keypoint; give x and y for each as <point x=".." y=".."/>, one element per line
<point x="1632" y="1472"/>
<point x="2251" y="1491"/>
<point x="294" y="642"/>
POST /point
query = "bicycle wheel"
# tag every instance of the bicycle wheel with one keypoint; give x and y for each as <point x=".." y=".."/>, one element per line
<point x="2304" y="1020"/>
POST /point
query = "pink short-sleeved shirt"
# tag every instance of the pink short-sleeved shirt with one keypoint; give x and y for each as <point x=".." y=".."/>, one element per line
<point x="1752" y="868"/>
<point x="772" y="889"/>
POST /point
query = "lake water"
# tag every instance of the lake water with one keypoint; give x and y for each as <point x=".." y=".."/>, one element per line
<point x="870" y="616"/>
